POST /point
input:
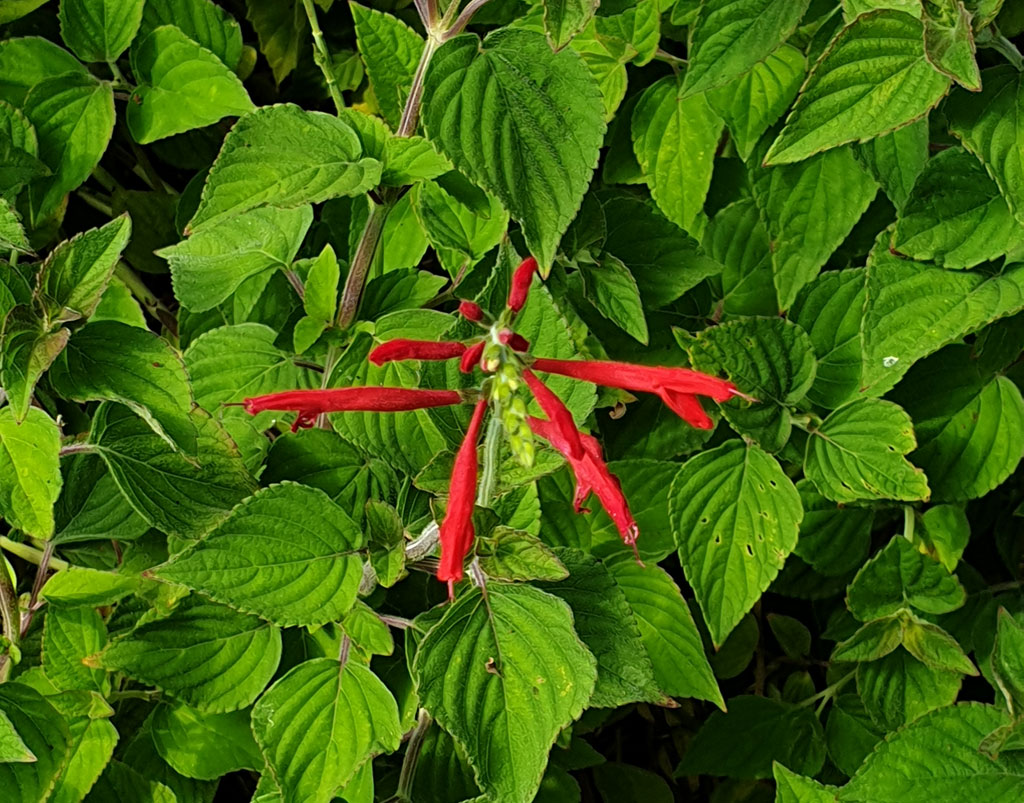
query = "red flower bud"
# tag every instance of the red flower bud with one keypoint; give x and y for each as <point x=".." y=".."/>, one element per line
<point x="558" y="415"/>
<point x="401" y="349"/>
<point x="471" y="357"/>
<point x="521" y="280"/>
<point x="471" y="311"/>
<point x="457" y="528"/>
<point x="515" y="341"/>
<point x="311" y="403"/>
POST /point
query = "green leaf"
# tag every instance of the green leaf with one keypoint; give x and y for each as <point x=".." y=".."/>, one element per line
<point x="970" y="424"/>
<point x="731" y="36"/>
<point x="71" y="635"/>
<point x="937" y="758"/>
<point x="896" y="159"/>
<point x="667" y="630"/>
<point x="122" y="783"/>
<point x="645" y="484"/>
<point x="791" y="787"/>
<point x="508" y="554"/>
<point x="792" y="634"/>
<point x="402" y="289"/>
<point x="257" y="367"/>
<point x="877" y="639"/>
<point x="318" y="723"/>
<point x="855" y="8"/>
<point x="182" y="86"/>
<point x="988" y="125"/>
<point x="635" y="32"/>
<point x="28" y="60"/>
<point x="755" y="732"/>
<point x="73" y="115"/>
<point x="870" y="325"/>
<point x="287" y="554"/>
<point x="563" y="19"/>
<point x="858" y="453"/>
<point x="949" y="42"/>
<point x="770" y="359"/>
<point x="674" y="140"/>
<point x="804" y="231"/>
<point x="408" y="160"/>
<point x="12" y="235"/>
<point x="30" y="478"/>
<point x="935" y="648"/>
<point x="955" y="215"/>
<point x="92" y="745"/>
<point x="211" y="264"/>
<point x="12" y="747"/>
<point x="872" y="80"/>
<point x="15" y="9"/>
<point x="899" y="576"/>
<point x="898" y="689"/>
<point x="628" y="784"/>
<point x="169" y="491"/>
<point x="611" y="288"/>
<point x="460" y="234"/>
<point x="511" y="94"/>
<point x="209" y="656"/>
<point x="391" y="50"/>
<point x="202" y="21"/>
<point x="737" y="238"/>
<point x="78" y="585"/>
<point x="45" y="735"/>
<point x="834" y="538"/>
<point x="27" y="352"/>
<point x="850" y="733"/>
<point x="736" y="516"/>
<point x="944" y="531"/>
<point x="204" y="745"/>
<point x="99" y="30"/>
<point x="504" y="675"/>
<point x="1007" y="654"/>
<point x="752" y="102"/>
<point x="370" y="635"/>
<point x="285" y="156"/>
<point x="91" y="506"/>
<point x="604" y="621"/>
<point x="281" y="28"/>
<point x="109" y="361"/>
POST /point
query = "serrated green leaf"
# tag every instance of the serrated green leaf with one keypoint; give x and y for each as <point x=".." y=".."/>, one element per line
<point x="937" y="758"/>
<point x="510" y="555"/>
<point x="284" y="156"/>
<point x="944" y="531"/>
<point x="27" y="351"/>
<point x="674" y="140"/>
<point x="391" y="51"/>
<point x="850" y="734"/>
<point x="287" y="554"/>
<point x="46" y="736"/>
<point x="858" y="453"/>
<point x="209" y="656"/>
<point x="872" y="80"/>
<point x="770" y="359"/>
<point x="92" y="745"/>
<point x="503" y="675"/>
<point x="1007" y="663"/>
<point x="611" y="288"/>
<point x="71" y="635"/>
<point x="99" y="30"/>
<point x="636" y="30"/>
<point x="875" y="640"/>
<point x="896" y="159"/>
<point x="211" y="264"/>
<point x="804" y="231"/>
<point x="73" y="115"/>
<point x="898" y="688"/>
<point x="511" y="94"/>
<point x="408" y="160"/>
<point x="754" y="100"/>
<point x="737" y="238"/>
<point x="791" y="787"/>
<point x="370" y="635"/>
<point x="318" y="723"/>
<point x="755" y="732"/>
<point x="91" y="506"/>
<point x="834" y="538"/>
<point x="173" y="494"/>
<point x="30" y="478"/>
<point x="78" y="585"/>
<point x="122" y="783"/>
<point x="28" y="60"/>
<point x="202" y="21"/>
<point x="12" y="235"/>
<point x="949" y="42"/>
<point x="731" y="36"/>
<point x="935" y="648"/>
<point x="736" y="516"/>
<point x="955" y="215"/>
<point x="204" y="745"/>
<point x="13" y="749"/>
<point x="182" y="86"/>
<point x="899" y="576"/>
<point x="970" y="424"/>
<point x="563" y="19"/>
<point x="281" y="28"/>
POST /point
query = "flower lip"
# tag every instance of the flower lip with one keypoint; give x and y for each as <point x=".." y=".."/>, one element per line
<point x="558" y="415"/>
<point x="403" y="349"/>
<point x="471" y="357"/>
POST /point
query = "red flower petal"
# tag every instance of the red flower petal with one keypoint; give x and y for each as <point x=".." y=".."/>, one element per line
<point x="311" y="403"/>
<point x="521" y="280"/>
<point x="558" y="414"/>
<point x="471" y="311"/>
<point x="401" y="349"/>
<point x="471" y="357"/>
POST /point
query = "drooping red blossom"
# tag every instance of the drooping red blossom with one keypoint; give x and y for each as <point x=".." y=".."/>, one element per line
<point x="311" y="403"/>
<point x="513" y="340"/>
<point x="558" y="415"/>
<point x="471" y="311"/>
<point x="592" y="476"/>
<point x="457" y="528"/>
<point x="402" y="349"/>
<point x="471" y="357"/>
<point x="677" y="387"/>
<point x="521" y="280"/>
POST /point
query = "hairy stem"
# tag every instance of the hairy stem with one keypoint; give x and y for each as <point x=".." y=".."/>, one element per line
<point x="464" y="18"/>
<point x="361" y="261"/>
<point x="37" y="586"/>
<point x="322" y="56"/>
<point x="412" y="756"/>
<point x="411" y="112"/>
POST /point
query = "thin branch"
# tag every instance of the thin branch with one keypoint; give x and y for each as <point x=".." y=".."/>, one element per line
<point x="360" y="267"/>
<point x="31" y="554"/>
<point x="37" y="586"/>
<point x="464" y="19"/>
<point x="412" y="756"/>
<point x="411" y="112"/>
<point x="322" y="56"/>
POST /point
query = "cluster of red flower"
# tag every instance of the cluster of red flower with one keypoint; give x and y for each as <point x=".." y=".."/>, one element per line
<point x="677" y="387"/>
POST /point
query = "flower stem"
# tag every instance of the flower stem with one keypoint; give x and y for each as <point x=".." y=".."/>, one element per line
<point x="322" y="56"/>
<point x="492" y="455"/>
<point x="412" y="756"/>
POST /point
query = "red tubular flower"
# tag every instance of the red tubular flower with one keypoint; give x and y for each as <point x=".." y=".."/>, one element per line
<point x="513" y="340"/>
<point x="471" y="357"/>
<point x="457" y="528"/>
<point x="471" y="311"/>
<point x="521" y="280"/>
<point x="311" y="403"/>
<point x="677" y="387"/>
<point x="592" y="475"/>
<point x="401" y="349"/>
<point x="558" y="415"/>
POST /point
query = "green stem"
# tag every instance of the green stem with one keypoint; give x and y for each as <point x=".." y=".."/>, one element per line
<point x="322" y="56"/>
<point x="31" y="554"/>
<point x="829" y="691"/>
<point x="153" y="305"/>
<point x="9" y="615"/>
<point x="412" y="757"/>
<point x="908" y="523"/>
<point x="411" y="112"/>
<point x="492" y="456"/>
<point x="361" y="261"/>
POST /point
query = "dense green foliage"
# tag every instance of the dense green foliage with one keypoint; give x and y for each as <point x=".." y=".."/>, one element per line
<point x="202" y="202"/>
